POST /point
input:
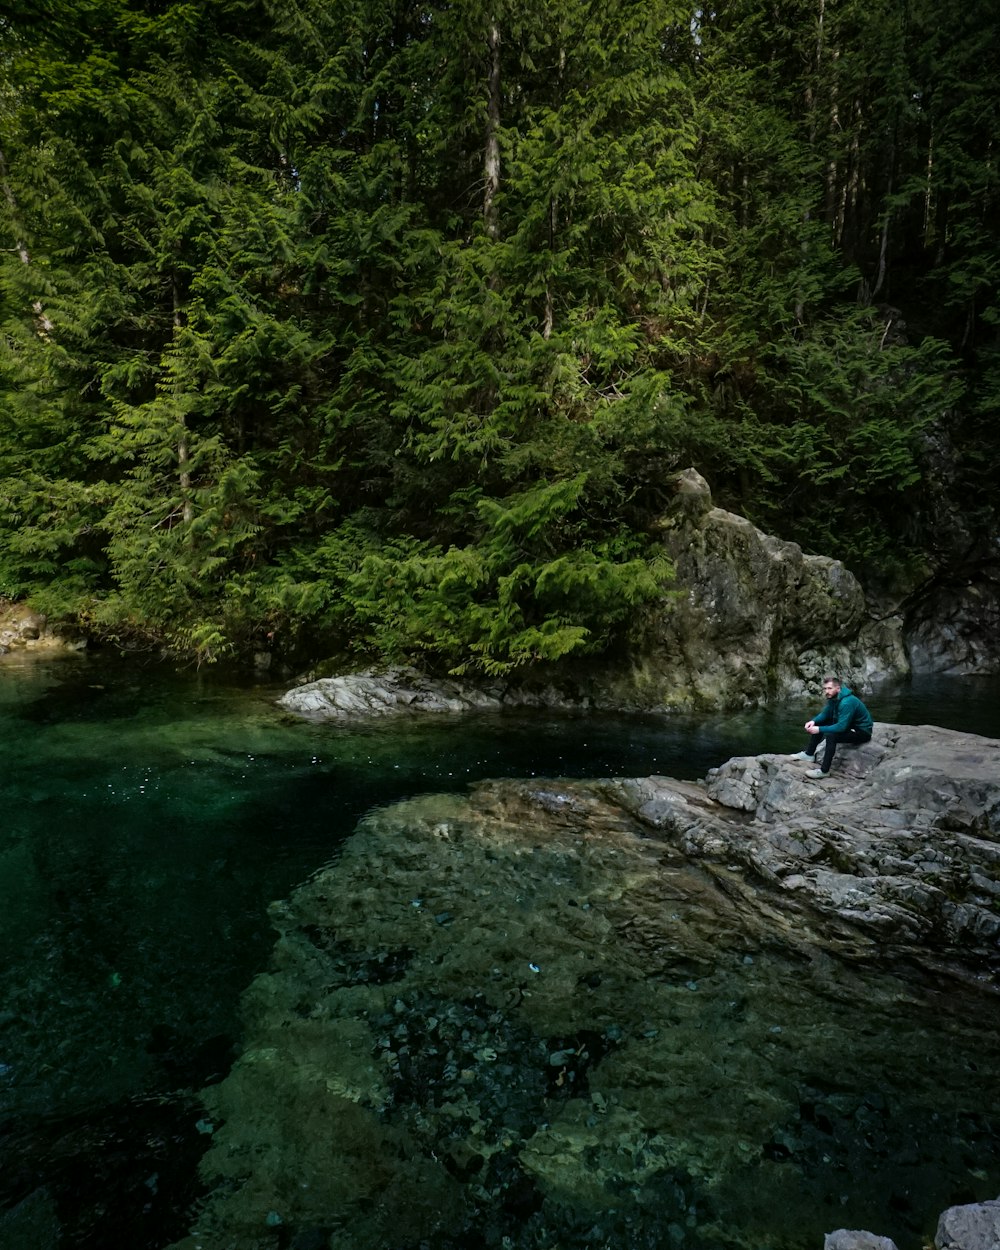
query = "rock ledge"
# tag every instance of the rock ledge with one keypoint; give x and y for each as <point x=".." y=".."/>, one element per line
<point x="901" y="842"/>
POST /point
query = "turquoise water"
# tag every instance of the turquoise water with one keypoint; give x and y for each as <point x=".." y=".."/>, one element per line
<point x="148" y="818"/>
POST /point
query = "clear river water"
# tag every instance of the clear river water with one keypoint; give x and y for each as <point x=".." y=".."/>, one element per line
<point x="149" y="816"/>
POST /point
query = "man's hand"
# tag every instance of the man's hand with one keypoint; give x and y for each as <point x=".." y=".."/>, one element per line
<point x="812" y="727"/>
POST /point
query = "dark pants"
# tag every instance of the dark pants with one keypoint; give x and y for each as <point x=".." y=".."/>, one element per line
<point x="852" y="737"/>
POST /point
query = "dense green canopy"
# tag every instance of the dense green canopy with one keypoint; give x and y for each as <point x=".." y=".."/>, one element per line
<point x="383" y="325"/>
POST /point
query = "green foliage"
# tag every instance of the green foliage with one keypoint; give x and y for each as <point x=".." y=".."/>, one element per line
<point x="844" y="441"/>
<point x="274" y="368"/>
<point x="529" y="589"/>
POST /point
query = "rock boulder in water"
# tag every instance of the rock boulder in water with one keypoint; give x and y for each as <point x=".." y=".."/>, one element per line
<point x="972" y="1227"/>
<point x="377" y="693"/>
<point x="848" y="1239"/>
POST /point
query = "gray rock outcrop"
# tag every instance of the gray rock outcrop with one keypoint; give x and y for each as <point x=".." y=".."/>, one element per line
<point x="955" y="628"/>
<point x="972" y="1227"/>
<point x="754" y="615"/>
<point x="22" y="629"/>
<point x="975" y="1226"/>
<point x="399" y="691"/>
<point x="902" y="841"/>
<point x="379" y="693"/>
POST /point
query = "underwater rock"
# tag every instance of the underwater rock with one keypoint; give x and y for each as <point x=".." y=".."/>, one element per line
<point x="30" y="1223"/>
<point x="632" y="1030"/>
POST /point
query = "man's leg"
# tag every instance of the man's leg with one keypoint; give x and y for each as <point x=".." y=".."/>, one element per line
<point x="807" y="754"/>
<point x="852" y="737"/>
<point x="829" y="750"/>
<point x="829" y="741"/>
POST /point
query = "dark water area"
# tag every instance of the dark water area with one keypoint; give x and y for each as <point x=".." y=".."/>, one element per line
<point x="147" y="819"/>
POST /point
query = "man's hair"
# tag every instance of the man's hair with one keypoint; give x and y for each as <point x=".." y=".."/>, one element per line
<point x="836" y="680"/>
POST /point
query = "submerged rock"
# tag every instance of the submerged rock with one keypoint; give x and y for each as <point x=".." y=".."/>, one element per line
<point x="603" y="1013"/>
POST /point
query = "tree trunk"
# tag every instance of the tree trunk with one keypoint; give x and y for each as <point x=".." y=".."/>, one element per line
<point x="812" y="108"/>
<point x="548" y="323"/>
<point x="183" y="450"/>
<point x="833" y="170"/>
<point x="883" y="250"/>
<point x="8" y="195"/>
<point x="550" y="316"/>
<point x="928" y="192"/>
<point x="44" y="324"/>
<point x="492" y="157"/>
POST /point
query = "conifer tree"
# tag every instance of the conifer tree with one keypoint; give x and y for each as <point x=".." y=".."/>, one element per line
<point x="386" y="324"/>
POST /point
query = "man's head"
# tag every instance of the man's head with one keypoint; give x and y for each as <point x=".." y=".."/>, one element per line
<point x="831" y="687"/>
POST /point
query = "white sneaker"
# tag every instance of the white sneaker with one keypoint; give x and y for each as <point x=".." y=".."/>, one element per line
<point x="801" y="755"/>
<point x="816" y="772"/>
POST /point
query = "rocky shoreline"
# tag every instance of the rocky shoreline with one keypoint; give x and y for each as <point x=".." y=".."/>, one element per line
<point x="24" y="630"/>
<point x="634" y="1012"/>
<point x="745" y="619"/>
<point x="902" y="841"/>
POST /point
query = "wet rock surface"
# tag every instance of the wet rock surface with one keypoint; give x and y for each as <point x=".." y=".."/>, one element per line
<point x="23" y="630"/>
<point x="635" y="1013"/>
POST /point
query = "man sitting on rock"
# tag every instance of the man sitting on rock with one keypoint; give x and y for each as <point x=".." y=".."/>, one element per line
<point x="844" y="719"/>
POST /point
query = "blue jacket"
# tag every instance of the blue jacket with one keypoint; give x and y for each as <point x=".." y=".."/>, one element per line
<point x="844" y="711"/>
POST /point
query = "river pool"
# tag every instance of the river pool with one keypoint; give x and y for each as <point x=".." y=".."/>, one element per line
<point x="148" y="818"/>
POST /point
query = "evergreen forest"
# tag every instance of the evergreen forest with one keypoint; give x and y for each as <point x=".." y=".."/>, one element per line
<point x="377" y="328"/>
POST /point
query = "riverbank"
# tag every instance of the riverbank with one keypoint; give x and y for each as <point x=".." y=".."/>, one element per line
<point x="23" y="629"/>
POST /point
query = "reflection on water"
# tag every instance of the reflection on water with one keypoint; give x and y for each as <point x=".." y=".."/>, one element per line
<point x="969" y="704"/>
<point x="148" y="818"/>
